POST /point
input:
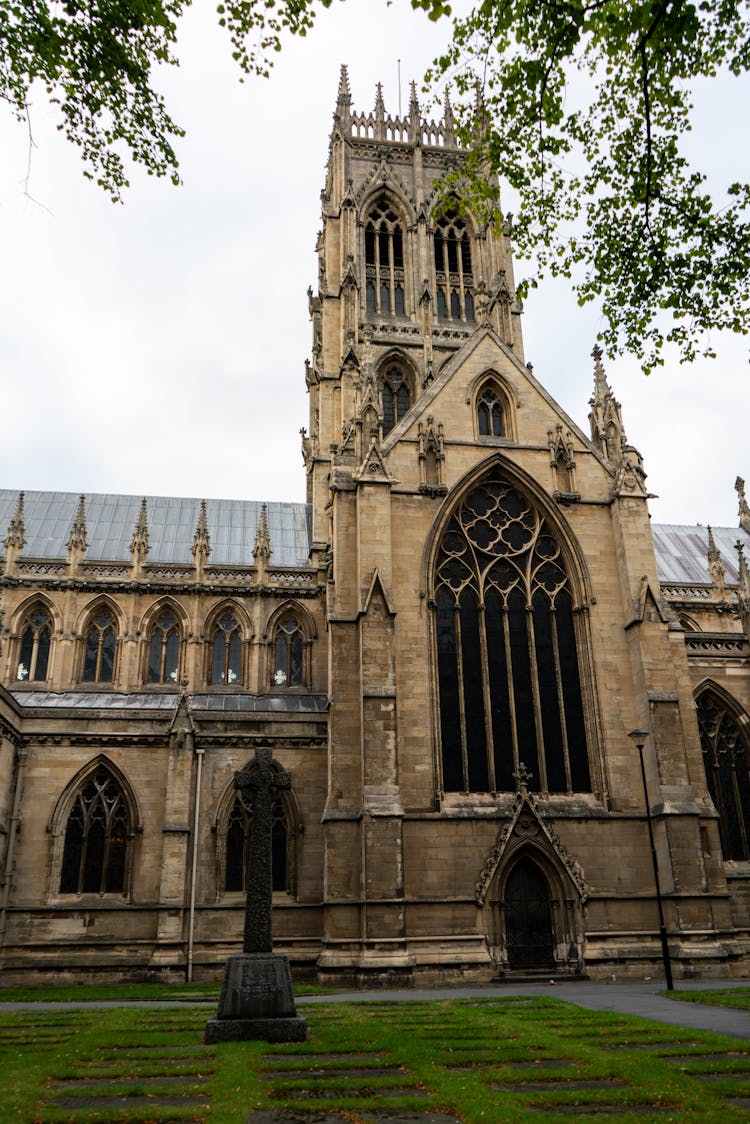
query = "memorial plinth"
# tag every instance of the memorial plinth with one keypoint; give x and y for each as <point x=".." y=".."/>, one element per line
<point x="257" y="1000"/>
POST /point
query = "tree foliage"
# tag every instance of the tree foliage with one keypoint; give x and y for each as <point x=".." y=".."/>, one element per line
<point x="581" y="106"/>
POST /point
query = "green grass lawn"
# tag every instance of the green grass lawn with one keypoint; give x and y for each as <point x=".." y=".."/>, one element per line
<point x="488" y="1060"/>
<point x="722" y="997"/>
<point x="85" y="993"/>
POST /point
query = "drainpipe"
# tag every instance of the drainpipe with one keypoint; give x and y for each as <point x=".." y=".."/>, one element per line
<point x="194" y="864"/>
<point x="21" y="754"/>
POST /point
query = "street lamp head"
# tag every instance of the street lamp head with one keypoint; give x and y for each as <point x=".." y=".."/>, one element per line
<point x="639" y="736"/>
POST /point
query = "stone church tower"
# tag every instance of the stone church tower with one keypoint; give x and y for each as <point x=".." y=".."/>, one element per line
<point x="446" y="647"/>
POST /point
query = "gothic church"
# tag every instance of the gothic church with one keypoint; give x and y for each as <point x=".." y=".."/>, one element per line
<point x="446" y="646"/>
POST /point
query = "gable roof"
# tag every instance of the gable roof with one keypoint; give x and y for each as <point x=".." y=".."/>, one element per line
<point x="681" y="551"/>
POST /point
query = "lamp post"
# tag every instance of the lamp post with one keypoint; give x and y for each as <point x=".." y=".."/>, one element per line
<point x="639" y="737"/>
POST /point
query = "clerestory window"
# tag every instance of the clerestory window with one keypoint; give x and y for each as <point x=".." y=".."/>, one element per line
<point x="726" y="757"/>
<point x="239" y="830"/>
<point x="99" y="653"/>
<point x="453" y="273"/>
<point x="96" y="839"/>
<point x="34" y="651"/>
<point x="287" y="653"/>
<point x="164" y="650"/>
<point x="508" y="679"/>
<point x="226" y="652"/>
<point x="384" y="261"/>
<point x="396" y="398"/>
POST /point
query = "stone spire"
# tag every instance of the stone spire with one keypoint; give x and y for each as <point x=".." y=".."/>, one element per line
<point x="605" y="418"/>
<point x="715" y="564"/>
<point x="739" y="486"/>
<point x="201" y="538"/>
<point x="344" y="99"/>
<point x="16" y="536"/>
<point x="140" y="545"/>
<point x="78" y="540"/>
<point x="262" y="548"/>
<point x="415" y="116"/>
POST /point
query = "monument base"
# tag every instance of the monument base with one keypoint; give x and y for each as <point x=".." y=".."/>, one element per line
<point x="257" y="1002"/>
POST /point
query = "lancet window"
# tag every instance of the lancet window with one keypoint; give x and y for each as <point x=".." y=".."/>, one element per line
<point x="164" y="649"/>
<point x="396" y="398"/>
<point x="508" y="678"/>
<point x="34" y="651"/>
<point x="96" y="839"/>
<point x="490" y="419"/>
<point x="384" y="261"/>
<point x="226" y="652"/>
<point x="726" y="756"/>
<point x="99" y="653"/>
<point x="453" y="272"/>
<point x="239" y="830"/>
<point x="288" y="650"/>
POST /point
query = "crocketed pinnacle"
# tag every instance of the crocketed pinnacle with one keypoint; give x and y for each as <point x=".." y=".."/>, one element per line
<point x="262" y="547"/>
<point x="715" y="564"/>
<point x="739" y="486"/>
<point x="379" y="103"/>
<point x="201" y="539"/>
<point x="605" y="418"/>
<point x="16" y="536"/>
<point x="140" y="544"/>
<point x="344" y="98"/>
<point x="77" y="540"/>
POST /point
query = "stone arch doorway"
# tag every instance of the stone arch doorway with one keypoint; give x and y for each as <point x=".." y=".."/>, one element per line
<point x="529" y="940"/>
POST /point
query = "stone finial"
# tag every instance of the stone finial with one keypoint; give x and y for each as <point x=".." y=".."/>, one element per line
<point x="78" y="540"/>
<point x="344" y="98"/>
<point x="379" y="103"/>
<point x="262" y="547"/>
<point x="448" y="116"/>
<point x="739" y="486"/>
<point x="201" y="538"/>
<point x="415" y="115"/>
<point x="140" y="544"/>
<point x="523" y="776"/>
<point x="605" y="418"/>
<point x="16" y="536"/>
<point x="715" y="564"/>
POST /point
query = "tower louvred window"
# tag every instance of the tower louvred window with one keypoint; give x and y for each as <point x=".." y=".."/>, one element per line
<point x="384" y="261"/>
<point x="396" y="398"/>
<point x="508" y="679"/>
<point x="453" y="272"/>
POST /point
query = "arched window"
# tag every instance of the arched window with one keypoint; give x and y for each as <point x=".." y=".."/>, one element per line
<point x="384" y="261"/>
<point x="226" y="652"/>
<point x="508" y="679"/>
<point x="99" y="653"/>
<point x="287" y="653"/>
<point x="34" y="652"/>
<point x="164" y="649"/>
<point x="239" y="828"/>
<point x="96" y="839"/>
<point x="726" y="756"/>
<point x="490" y="413"/>
<point x="453" y="273"/>
<point x="396" y="398"/>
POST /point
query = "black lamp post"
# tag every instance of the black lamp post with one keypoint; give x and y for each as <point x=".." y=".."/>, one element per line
<point x="639" y="737"/>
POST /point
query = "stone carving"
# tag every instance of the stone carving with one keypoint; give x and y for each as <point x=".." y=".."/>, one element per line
<point x="78" y="540"/>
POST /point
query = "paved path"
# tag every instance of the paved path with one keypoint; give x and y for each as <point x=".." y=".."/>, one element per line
<point x="628" y="998"/>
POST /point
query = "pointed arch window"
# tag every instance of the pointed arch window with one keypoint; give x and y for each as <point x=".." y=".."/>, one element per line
<point x="384" y="261"/>
<point x="726" y="757"/>
<point x="226" y="652"/>
<point x="35" y="647"/>
<point x="508" y="679"/>
<point x="490" y="419"/>
<point x="288" y="650"/>
<point x="164" y="649"/>
<point x="97" y="834"/>
<point x="99" y="652"/>
<point x="453" y="272"/>
<point x="283" y="852"/>
<point x="396" y="398"/>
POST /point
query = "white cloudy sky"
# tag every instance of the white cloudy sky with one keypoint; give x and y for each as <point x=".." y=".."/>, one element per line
<point x="158" y="347"/>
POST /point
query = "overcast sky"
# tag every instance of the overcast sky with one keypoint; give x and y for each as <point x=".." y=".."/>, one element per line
<point x="158" y="347"/>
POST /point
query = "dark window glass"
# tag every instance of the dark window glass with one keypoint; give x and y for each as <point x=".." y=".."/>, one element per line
<point x="554" y="751"/>
<point x="383" y="240"/>
<point x="36" y="640"/>
<point x="452" y="255"/>
<point x="370" y="246"/>
<point x="96" y="839"/>
<point x="398" y="248"/>
<point x="399" y="293"/>
<point x="226" y="656"/>
<point x="726" y="756"/>
<point x="288" y="649"/>
<point x="99" y="654"/>
<point x="396" y="399"/>
<point x="476" y="743"/>
<point x="502" y="726"/>
<point x="442" y="307"/>
<point x="370" y="293"/>
<point x="164" y="650"/>
<point x="239" y="830"/>
<point x="450" y="724"/>
<point x="571" y="687"/>
<point x="455" y="305"/>
<point x="384" y="261"/>
<point x="385" y="300"/>
<point x="490" y="414"/>
<point x="469" y="305"/>
<point x="453" y="266"/>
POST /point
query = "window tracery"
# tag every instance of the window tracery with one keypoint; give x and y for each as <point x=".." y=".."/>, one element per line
<point x="35" y="647"/>
<point x="164" y="649"/>
<point x="490" y="417"/>
<point x="726" y="757"/>
<point x="453" y="272"/>
<point x="95" y="853"/>
<point x="508" y="680"/>
<point x="287" y="653"/>
<point x="99" y="650"/>
<point x="396" y="398"/>
<point x="384" y="261"/>
<point x="283" y="850"/>
<point x="226" y="652"/>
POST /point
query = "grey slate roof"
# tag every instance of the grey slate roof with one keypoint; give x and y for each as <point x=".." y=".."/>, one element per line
<point x="110" y="521"/>
<point x="681" y="551"/>
<point x="167" y="701"/>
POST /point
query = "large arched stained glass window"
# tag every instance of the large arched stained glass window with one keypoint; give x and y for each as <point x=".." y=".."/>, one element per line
<point x="508" y="678"/>
<point x="726" y="756"/>
<point x="96" y="839"/>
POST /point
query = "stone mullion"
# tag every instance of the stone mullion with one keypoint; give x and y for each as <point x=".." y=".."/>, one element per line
<point x="461" y="700"/>
<point x="561" y="701"/>
<point x="489" y="744"/>
<point x="531" y="640"/>
<point x="511" y="695"/>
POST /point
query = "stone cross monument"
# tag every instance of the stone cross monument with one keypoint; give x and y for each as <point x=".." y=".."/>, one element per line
<point x="256" y="999"/>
